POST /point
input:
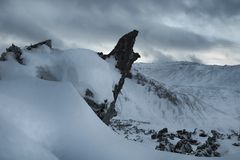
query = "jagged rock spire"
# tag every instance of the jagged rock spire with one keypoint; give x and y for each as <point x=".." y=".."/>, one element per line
<point x="125" y="57"/>
<point x="123" y="52"/>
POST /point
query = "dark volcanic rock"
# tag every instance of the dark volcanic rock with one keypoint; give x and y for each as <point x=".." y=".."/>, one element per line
<point x="125" y="57"/>
<point x="89" y="93"/>
<point x="163" y="131"/>
<point x="183" y="134"/>
<point x="123" y="52"/>
<point x="209" y="148"/>
<point x="46" y="42"/>
<point x="17" y="53"/>
<point x="202" y="133"/>
<point x="154" y="136"/>
<point x="236" y="144"/>
<point x="99" y="109"/>
<point x="183" y="146"/>
<point x="216" y="134"/>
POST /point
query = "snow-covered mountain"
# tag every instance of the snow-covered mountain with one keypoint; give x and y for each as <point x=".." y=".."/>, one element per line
<point x="196" y="95"/>
<point x="49" y="98"/>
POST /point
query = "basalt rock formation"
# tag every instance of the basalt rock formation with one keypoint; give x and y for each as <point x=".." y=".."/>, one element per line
<point x="125" y="56"/>
<point x="123" y="52"/>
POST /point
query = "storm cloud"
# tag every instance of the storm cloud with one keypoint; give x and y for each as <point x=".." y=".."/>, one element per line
<point x="180" y="29"/>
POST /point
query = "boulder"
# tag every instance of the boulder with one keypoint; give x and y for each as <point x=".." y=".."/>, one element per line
<point x="216" y="134"/>
<point x="183" y="146"/>
<point x="202" y="133"/>
<point x="183" y="134"/>
<point x="236" y="144"/>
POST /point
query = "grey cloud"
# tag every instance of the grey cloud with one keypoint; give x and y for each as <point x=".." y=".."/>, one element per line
<point x="178" y="38"/>
<point x="16" y="25"/>
<point x="95" y="23"/>
<point x="216" y="8"/>
<point x="104" y="25"/>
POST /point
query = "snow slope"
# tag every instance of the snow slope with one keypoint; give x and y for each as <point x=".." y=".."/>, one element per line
<point x="193" y="74"/>
<point x="59" y="122"/>
<point x="50" y="120"/>
<point x="208" y="97"/>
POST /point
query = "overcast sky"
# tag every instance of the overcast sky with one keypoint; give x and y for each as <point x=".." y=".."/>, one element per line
<point x="206" y="31"/>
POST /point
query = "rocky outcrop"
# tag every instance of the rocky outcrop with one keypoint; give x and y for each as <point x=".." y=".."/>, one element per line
<point x="156" y="87"/>
<point x="46" y="42"/>
<point x="13" y="51"/>
<point x="99" y="109"/>
<point x="209" y="148"/>
<point x="123" y="52"/>
<point x="125" y="56"/>
<point x="16" y="52"/>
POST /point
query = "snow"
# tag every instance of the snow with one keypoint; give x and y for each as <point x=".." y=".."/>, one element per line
<point x="16" y="145"/>
<point x="193" y="74"/>
<point x="209" y="97"/>
<point x="82" y="67"/>
<point x="53" y="116"/>
<point x="49" y="120"/>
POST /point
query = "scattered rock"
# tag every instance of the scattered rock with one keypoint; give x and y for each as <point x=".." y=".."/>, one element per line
<point x="216" y="154"/>
<point x="208" y="149"/>
<point x="163" y="131"/>
<point x="202" y="133"/>
<point x="98" y="108"/>
<point x="216" y="134"/>
<point x="183" y="146"/>
<point x="183" y="134"/>
<point x="236" y="144"/>
<point x="89" y="93"/>
<point x="131" y="129"/>
<point x="154" y="136"/>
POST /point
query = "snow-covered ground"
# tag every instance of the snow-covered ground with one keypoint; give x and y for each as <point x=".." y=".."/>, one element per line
<point x="49" y="120"/>
<point x="211" y="95"/>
